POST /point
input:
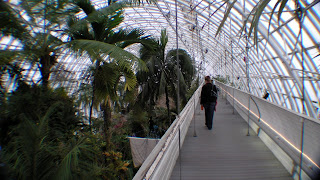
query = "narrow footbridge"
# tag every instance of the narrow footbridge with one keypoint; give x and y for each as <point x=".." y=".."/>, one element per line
<point x="251" y="139"/>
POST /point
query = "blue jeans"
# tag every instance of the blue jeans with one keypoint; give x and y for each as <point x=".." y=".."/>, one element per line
<point x="209" y="112"/>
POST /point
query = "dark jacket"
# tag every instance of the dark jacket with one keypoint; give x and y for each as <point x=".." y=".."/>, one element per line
<point x="206" y="93"/>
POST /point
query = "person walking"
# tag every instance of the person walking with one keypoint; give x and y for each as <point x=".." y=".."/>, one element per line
<point x="208" y="100"/>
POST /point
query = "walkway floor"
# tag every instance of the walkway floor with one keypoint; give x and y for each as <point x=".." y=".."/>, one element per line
<point x="226" y="152"/>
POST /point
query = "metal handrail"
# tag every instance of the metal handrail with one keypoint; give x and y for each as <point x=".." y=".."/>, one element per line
<point x="160" y="162"/>
<point x="309" y="166"/>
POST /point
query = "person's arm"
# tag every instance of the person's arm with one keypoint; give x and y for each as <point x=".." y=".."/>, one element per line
<point x="201" y="99"/>
<point x="201" y="96"/>
<point x="215" y="89"/>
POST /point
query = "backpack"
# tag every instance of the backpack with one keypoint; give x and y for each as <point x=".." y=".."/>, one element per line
<point x="213" y="94"/>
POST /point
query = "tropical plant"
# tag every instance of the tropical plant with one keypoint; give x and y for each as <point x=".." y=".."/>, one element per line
<point x="32" y="154"/>
<point x="39" y="138"/>
<point x="69" y="155"/>
<point x="112" y="65"/>
<point x="186" y="72"/>
<point x="27" y="155"/>
<point x="28" y="102"/>
<point x="35" y="25"/>
<point x="138" y="122"/>
<point x="161" y="77"/>
<point x="256" y="12"/>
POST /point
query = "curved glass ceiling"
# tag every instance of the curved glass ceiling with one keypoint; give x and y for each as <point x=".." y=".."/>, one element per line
<point x="274" y="65"/>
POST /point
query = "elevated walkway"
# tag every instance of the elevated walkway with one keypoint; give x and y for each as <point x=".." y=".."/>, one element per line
<point x="226" y="152"/>
<point x="286" y="147"/>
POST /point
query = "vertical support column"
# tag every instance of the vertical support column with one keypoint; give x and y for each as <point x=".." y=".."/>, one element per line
<point x="232" y="77"/>
<point x="232" y="65"/>
<point x="178" y="83"/>
<point x="180" y="152"/>
<point x="248" y="83"/>
<point x="225" y="63"/>
<point x="300" y="17"/>
<point x="178" y="64"/>
<point x="194" y="119"/>
<point x="246" y="58"/>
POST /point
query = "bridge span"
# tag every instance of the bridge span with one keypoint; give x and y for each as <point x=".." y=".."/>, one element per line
<point x="226" y="152"/>
<point x="252" y="138"/>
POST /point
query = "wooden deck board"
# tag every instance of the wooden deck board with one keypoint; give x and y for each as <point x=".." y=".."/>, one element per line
<point x="226" y="152"/>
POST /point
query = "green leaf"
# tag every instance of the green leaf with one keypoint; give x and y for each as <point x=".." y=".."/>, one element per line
<point x="282" y="6"/>
<point x="163" y="83"/>
<point x="97" y="49"/>
<point x="130" y="80"/>
<point x="139" y="2"/>
<point x="255" y="23"/>
<point x="226" y="14"/>
<point x="71" y="158"/>
<point x="163" y="38"/>
<point x="271" y="15"/>
<point x="7" y="56"/>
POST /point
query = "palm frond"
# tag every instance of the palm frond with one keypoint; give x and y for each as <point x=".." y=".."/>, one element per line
<point x="271" y="15"/>
<point x="130" y="79"/>
<point x="182" y="84"/>
<point x="148" y="49"/>
<point x="123" y="38"/>
<point x="54" y="12"/>
<point x="163" y="83"/>
<point x="141" y="2"/>
<point x="86" y="6"/>
<point x="108" y="24"/>
<point x="163" y="38"/>
<point x="28" y="153"/>
<point x="226" y="14"/>
<point x="7" y="56"/>
<point x="102" y="21"/>
<point x="106" y="78"/>
<point x="95" y="49"/>
<point x="9" y="22"/>
<point x="255" y="15"/>
<point x="78" y="29"/>
<point x="94" y="15"/>
<point x="282" y="6"/>
<point x="255" y="22"/>
<point x="71" y="159"/>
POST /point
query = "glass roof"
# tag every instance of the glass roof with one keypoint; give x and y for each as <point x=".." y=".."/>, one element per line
<point x="273" y="65"/>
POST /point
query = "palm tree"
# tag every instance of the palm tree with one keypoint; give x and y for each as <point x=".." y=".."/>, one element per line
<point x="111" y="63"/>
<point x="32" y="154"/>
<point x="186" y="70"/>
<point x="162" y="73"/>
<point x="38" y="136"/>
<point x="35" y="24"/>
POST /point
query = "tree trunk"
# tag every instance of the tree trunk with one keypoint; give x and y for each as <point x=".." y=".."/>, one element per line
<point x="46" y="62"/>
<point x="107" y="124"/>
<point x="93" y="95"/>
<point x="151" y="103"/>
<point x="167" y="103"/>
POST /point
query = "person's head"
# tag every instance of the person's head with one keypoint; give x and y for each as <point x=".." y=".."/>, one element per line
<point x="207" y="79"/>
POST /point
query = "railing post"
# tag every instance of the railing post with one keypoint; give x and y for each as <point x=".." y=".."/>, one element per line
<point x="194" y="119"/>
<point x="180" y="152"/>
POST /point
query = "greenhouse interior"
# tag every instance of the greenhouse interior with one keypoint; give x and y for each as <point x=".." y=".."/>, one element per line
<point x="110" y="89"/>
